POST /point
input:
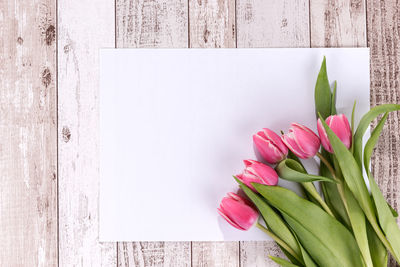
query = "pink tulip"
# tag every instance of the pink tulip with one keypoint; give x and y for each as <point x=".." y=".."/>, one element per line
<point x="339" y="124"/>
<point x="270" y="146"/>
<point x="237" y="212"/>
<point x="302" y="141"/>
<point x="257" y="172"/>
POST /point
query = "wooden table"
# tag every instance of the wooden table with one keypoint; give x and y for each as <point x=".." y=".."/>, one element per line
<point x="49" y="110"/>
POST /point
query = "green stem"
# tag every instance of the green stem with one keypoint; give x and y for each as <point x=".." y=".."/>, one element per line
<point x="372" y="221"/>
<point x="382" y="237"/>
<point x="313" y="192"/>
<point x="279" y="241"/>
<point x="339" y="182"/>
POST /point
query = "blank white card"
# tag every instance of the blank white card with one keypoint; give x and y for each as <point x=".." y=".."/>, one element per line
<point x="177" y="123"/>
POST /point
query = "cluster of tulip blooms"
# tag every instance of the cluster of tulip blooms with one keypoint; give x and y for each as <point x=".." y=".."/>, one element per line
<point x="302" y="141"/>
<point x="345" y="224"/>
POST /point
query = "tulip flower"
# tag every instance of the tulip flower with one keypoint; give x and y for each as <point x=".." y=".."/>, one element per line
<point x="302" y="141"/>
<point x="339" y="124"/>
<point x="270" y="146"/>
<point x="257" y="172"/>
<point x="237" y="212"/>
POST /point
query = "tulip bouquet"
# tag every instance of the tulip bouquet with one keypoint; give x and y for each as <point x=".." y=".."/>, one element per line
<point x="343" y="223"/>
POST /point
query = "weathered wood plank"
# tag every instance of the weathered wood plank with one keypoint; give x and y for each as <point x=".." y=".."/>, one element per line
<point x="338" y="23"/>
<point x="28" y="133"/>
<point x="212" y="25"/>
<point x="272" y="23"/>
<point x="256" y="254"/>
<point x="154" y="254"/>
<point x="142" y="23"/>
<point x="383" y="20"/>
<point x="84" y="27"/>
<point x="206" y="254"/>
<point x="269" y="24"/>
<point x="151" y="23"/>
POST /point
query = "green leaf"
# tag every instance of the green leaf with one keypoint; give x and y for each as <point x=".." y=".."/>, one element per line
<point x="363" y="126"/>
<point x="282" y="262"/>
<point x="352" y="126"/>
<point x="289" y="256"/>
<point x="351" y="172"/>
<point x="358" y="223"/>
<point x="308" y="261"/>
<point x="332" y="198"/>
<point x="327" y="241"/>
<point x="385" y="217"/>
<point x="322" y="92"/>
<point x="273" y="221"/>
<point x="333" y="100"/>
<point x="379" y="253"/>
<point x="292" y="170"/>
<point x="331" y="193"/>
<point x="394" y="212"/>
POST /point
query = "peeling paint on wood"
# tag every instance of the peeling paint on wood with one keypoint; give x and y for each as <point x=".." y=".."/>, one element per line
<point x="84" y="27"/>
<point x="28" y="135"/>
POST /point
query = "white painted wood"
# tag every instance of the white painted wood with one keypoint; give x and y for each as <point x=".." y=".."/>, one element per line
<point x="212" y="23"/>
<point x="154" y="254"/>
<point x="28" y="133"/>
<point x="338" y="23"/>
<point x="273" y="23"/>
<point x="84" y="27"/>
<point x="206" y="254"/>
<point x="151" y="23"/>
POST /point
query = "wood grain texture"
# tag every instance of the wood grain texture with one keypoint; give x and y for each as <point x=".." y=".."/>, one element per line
<point x="338" y="23"/>
<point x="274" y="23"/>
<point x="256" y="254"/>
<point x="269" y="24"/>
<point x="383" y="20"/>
<point x="152" y="24"/>
<point x="154" y="254"/>
<point x="212" y="23"/>
<point x="84" y="27"/>
<point x="28" y="133"/>
<point x="205" y="254"/>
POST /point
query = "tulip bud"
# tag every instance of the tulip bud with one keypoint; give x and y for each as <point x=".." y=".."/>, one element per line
<point x="257" y="172"/>
<point x="237" y="212"/>
<point x="270" y="146"/>
<point x="302" y="141"/>
<point x="339" y="124"/>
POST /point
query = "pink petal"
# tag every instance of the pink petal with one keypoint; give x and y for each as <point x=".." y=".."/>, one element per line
<point x="229" y="220"/>
<point x="238" y="213"/>
<point x="276" y="140"/>
<point x="248" y="178"/>
<point x="324" y="137"/>
<point x="268" y="150"/>
<point x="306" y="140"/>
<point x="266" y="173"/>
<point x="341" y="127"/>
<point x="248" y="162"/>
<point x="290" y="142"/>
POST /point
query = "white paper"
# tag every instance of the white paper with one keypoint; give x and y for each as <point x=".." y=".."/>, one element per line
<point x="177" y="123"/>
